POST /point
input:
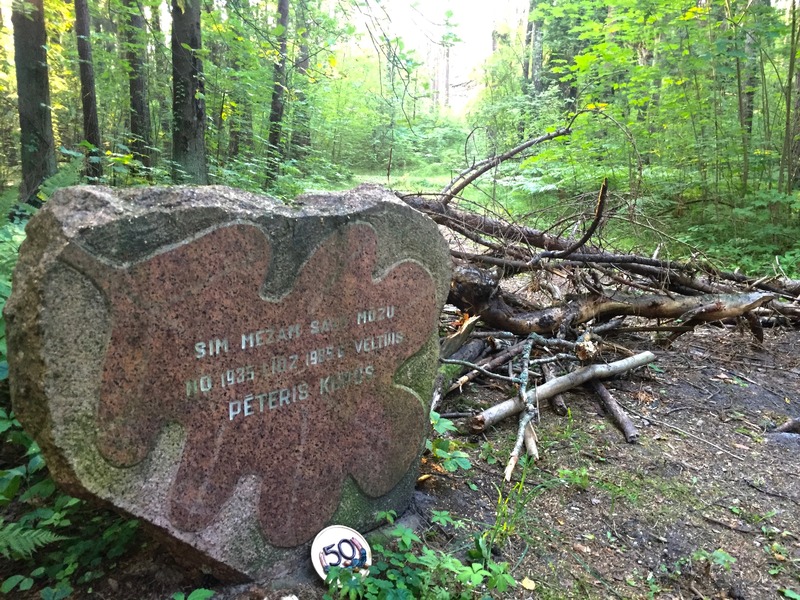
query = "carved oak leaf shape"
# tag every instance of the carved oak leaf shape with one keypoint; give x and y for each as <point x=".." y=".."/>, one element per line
<point x="301" y="445"/>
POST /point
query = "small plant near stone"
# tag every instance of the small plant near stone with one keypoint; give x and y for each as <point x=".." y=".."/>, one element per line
<point x="718" y="557"/>
<point x="751" y="517"/>
<point x="489" y="453"/>
<point x="578" y="477"/>
<point x="198" y="594"/>
<point x="403" y="568"/>
<point x="54" y="541"/>
<point x="11" y="236"/>
<point x="446" y="451"/>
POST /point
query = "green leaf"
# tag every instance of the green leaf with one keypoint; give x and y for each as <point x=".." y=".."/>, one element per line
<point x="790" y="594"/>
<point x="201" y="594"/>
<point x="71" y="153"/>
<point x="43" y="489"/>
<point x="10" y="583"/>
<point x="440" y="425"/>
<point x="61" y="591"/>
<point x="442" y="517"/>
<point x="17" y="541"/>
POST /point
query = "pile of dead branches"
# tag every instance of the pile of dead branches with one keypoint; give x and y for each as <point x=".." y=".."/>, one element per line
<point x="510" y="278"/>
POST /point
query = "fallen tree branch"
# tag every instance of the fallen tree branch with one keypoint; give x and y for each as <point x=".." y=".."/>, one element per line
<point x="675" y="275"/>
<point x="473" y="172"/>
<point x="619" y="417"/>
<point x="557" y="401"/>
<point x="598" y="215"/>
<point x="474" y="290"/>
<point x="790" y="426"/>
<point x="497" y="413"/>
<point x="480" y="370"/>
<point x="525" y="435"/>
<point x="468" y="353"/>
<point x="493" y="363"/>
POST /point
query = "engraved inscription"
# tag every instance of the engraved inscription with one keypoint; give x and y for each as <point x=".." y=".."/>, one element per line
<point x="264" y="388"/>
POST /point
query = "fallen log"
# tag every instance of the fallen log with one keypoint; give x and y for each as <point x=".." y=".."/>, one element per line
<point x="681" y="277"/>
<point x="475" y="291"/>
<point x="790" y="426"/>
<point x="512" y="406"/>
<point x="615" y="412"/>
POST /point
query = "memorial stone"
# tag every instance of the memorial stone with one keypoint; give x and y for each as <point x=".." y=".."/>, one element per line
<point x="236" y="372"/>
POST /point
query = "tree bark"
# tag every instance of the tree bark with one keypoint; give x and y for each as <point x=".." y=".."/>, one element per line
<point x="33" y="89"/>
<point x="188" y="101"/>
<point x="473" y="290"/>
<point x="615" y="412"/>
<point x="301" y="130"/>
<point x="135" y="55"/>
<point x="534" y="50"/>
<point x="91" y="126"/>
<point x="514" y="405"/>
<point x="275" y="149"/>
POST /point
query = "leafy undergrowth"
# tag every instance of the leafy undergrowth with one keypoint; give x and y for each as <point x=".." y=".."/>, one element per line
<point x="52" y="543"/>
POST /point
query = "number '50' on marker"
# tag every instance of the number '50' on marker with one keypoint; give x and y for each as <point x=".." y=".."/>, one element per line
<point x="340" y="546"/>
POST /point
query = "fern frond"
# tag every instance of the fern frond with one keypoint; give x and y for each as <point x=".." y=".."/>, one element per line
<point x="17" y="541"/>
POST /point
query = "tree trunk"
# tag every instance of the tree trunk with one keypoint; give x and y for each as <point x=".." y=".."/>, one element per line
<point x="301" y="131"/>
<point x="135" y="55"/>
<point x="787" y="162"/>
<point x="188" y="101"/>
<point x="533" y="58"/>
<point x="278" y="95"/>
<point x="526" y="55"/>
<point x="33" y="90"/>
<point x="91" y="127"/>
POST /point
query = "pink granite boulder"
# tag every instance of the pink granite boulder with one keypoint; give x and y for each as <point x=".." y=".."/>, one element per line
<point x="236" y="372"/>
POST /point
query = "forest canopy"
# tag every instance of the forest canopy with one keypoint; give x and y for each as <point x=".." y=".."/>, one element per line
<point x="690" y="111"/>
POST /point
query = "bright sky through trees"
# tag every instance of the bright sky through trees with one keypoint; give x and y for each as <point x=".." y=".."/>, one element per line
<point x="423" y="26"/>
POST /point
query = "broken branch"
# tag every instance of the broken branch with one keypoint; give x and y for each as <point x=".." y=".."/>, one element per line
<point x="497" y="413"/>
<point x="616" y="413"/>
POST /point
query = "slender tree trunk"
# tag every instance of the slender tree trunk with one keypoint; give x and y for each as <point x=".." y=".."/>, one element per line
<point x="784" y="174"/>
<point x="91" y="127"/>
<point x="278" y="95"/>
<point x="188" y="101"/>
<point x="33" y="90"/>
<point x="135" y="56"/>
<point x="301" y="130"/>
<point x="447" y="77"/>
<point x="527" y="54"/>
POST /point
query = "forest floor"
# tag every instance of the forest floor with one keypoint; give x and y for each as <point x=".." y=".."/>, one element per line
<point x="705" y="505"/>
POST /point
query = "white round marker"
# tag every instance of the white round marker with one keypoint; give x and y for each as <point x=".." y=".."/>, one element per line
<point x="340" y="546"/>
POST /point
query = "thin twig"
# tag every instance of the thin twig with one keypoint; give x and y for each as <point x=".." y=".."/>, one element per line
<point x="598" y="216"/>
<point x="526" y="419"/>
<point x="473" y="366"/>
<point x="467" y="176"/>
<point x="684" y="432"/>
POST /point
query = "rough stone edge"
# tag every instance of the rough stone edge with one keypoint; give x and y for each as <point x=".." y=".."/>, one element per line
<point x="104" y="206"/>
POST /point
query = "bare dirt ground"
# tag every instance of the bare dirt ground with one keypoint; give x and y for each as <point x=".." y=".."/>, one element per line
<point x="705" y="505"/>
